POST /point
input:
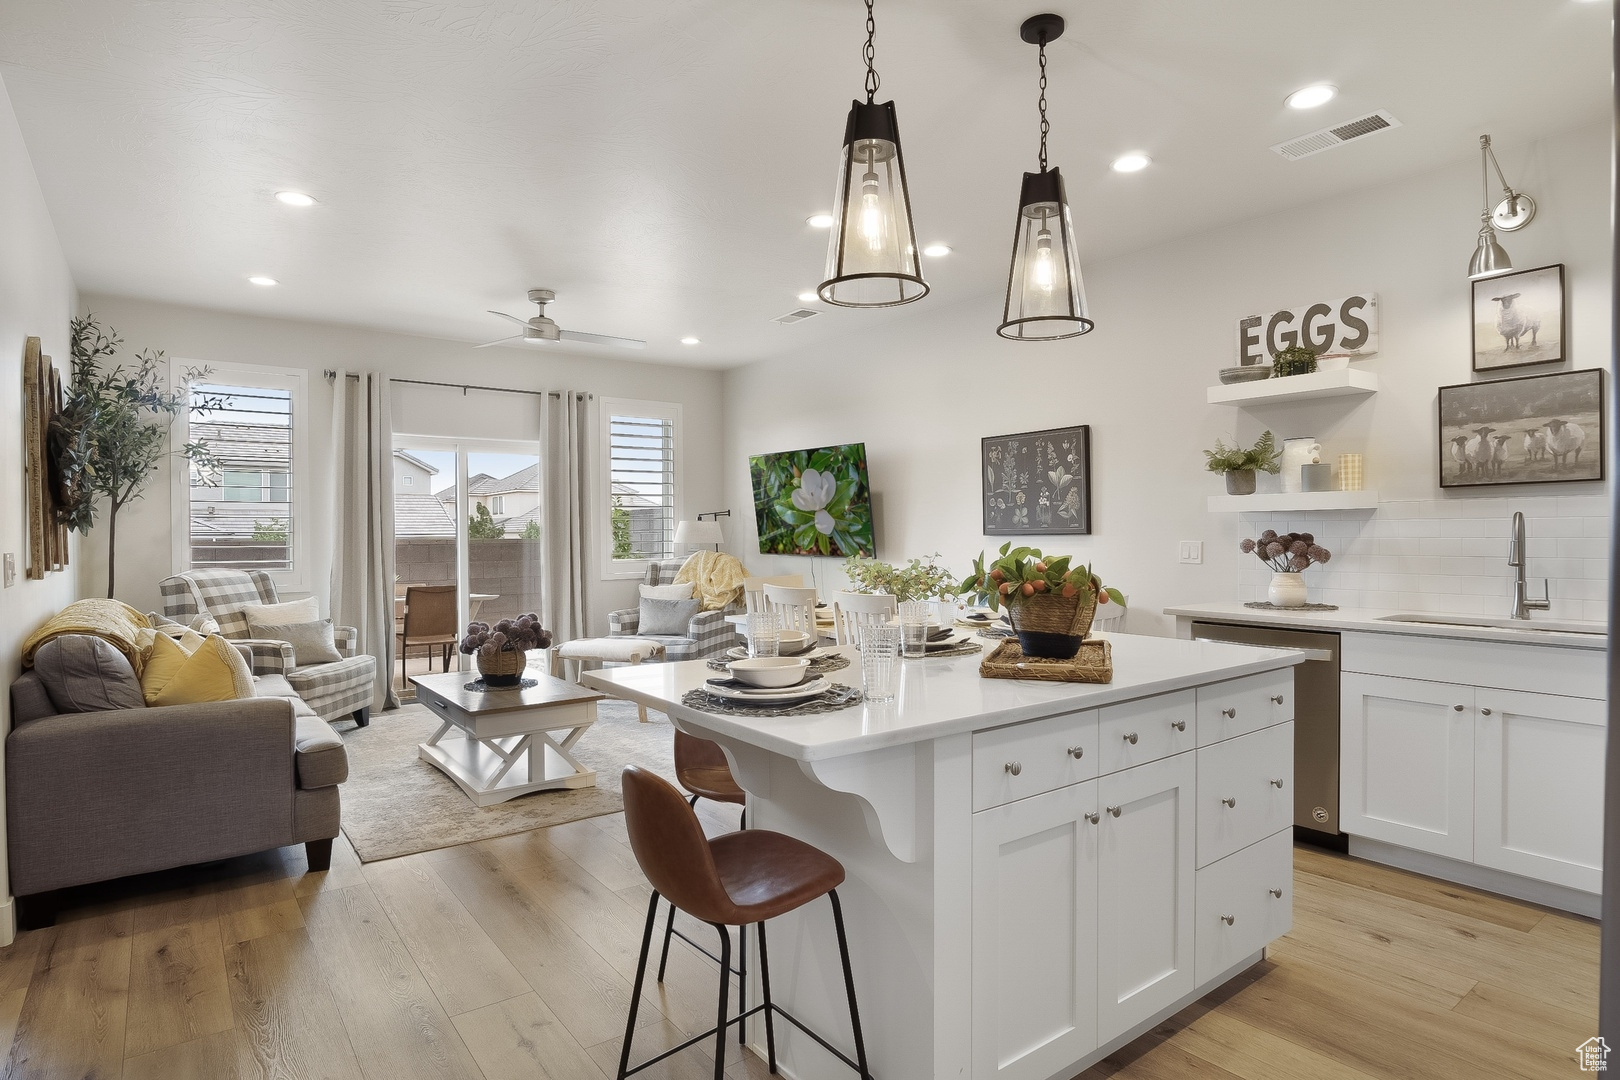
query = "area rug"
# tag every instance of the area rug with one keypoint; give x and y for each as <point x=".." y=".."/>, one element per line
<point x="396" y="804"/>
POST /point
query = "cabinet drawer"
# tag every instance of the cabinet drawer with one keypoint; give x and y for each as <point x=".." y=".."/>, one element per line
<point x="1026" y="759"/>
<point x="1239" y="910"/>
<point x="1245" y="791"/>
<point x="1238" y="706"/>
<point x="1136" y="732"/>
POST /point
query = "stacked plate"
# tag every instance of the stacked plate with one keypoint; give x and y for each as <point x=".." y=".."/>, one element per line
<point x="734" y="691"/>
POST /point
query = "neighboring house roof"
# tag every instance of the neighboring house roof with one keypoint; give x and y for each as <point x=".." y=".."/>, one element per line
<point x="418" y="462"/>
<point x="631" y="499"/>
<point x="449" y="494"/>
<point x="245" y="444"/>
<point x="523" y="480"/>
<point x="228" y="520"/>
<point x="422" y="515"/>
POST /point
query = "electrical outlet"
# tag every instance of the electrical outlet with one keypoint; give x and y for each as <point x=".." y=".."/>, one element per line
<point x="1192" y="551"/>
<point x="10" y="573"/>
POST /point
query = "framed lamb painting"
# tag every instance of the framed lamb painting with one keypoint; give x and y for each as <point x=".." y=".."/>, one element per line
<point x="1535" y="429"/>
<point x="1519" y="318"/>
<point x="1038" y="483"/>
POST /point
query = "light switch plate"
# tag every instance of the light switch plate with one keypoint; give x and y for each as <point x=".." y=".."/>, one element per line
<point x="10" y="573"/>
<point x="1192" y="551"/>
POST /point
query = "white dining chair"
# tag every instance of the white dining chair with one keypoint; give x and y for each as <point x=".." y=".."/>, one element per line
<point x="854" y="612"/>
<point x="795" y="608"/>
<point x="754" y="589"/>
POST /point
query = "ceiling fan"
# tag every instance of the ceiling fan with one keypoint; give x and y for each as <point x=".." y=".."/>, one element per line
<point x="541" y="329"/>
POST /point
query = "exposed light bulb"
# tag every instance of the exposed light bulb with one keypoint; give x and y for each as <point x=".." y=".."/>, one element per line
<point x="871" y="213"/>
<point x="1043" y="273"/>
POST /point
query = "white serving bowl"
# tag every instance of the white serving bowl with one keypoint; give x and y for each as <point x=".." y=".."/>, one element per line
<point x="770" y="672"/>
<point x="792" y="642"/>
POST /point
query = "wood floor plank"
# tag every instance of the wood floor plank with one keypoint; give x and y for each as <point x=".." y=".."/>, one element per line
<point x="177" y="987"/>
<point x="521" y="1039"/>
<point x="346" y="870"/>
<point x="463" y="966"/>
<point x="693" y="1063"/>
<point x="394" y="1021"/>
<point x="287" y="1024"/>
<point x="1315" y="942"/>
<point x="1433" y="892"/>
<point x="1528" y="1016"/>
<point x="1253" y="1054"/>
<point x="212" y="1057"/>
<point x="73" y="1018"/>
<point x="613" y="863"/>
<point x="259" y="909"/>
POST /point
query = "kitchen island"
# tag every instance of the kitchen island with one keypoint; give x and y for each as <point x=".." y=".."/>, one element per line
<point x="1038" y="872"/>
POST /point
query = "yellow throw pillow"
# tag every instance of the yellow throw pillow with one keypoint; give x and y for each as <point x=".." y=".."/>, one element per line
<point x="194" y="669"/>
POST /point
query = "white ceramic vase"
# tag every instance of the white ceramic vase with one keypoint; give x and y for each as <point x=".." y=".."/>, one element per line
<point x="1295" y="453"/>
<point x="1287" y="589"/>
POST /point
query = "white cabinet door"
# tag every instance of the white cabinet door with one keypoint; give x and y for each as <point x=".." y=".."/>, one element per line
<point x="1538" y="790"/>
<point x="1146" y="891"/>
<point x="1035" y="934"/>
<point x="1407" y="763"/>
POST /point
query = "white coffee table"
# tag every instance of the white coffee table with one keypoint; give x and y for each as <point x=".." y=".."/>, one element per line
<point x="505" y="743"/>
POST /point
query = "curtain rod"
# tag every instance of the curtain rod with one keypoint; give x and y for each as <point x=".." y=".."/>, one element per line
<point x="330" y="374"/>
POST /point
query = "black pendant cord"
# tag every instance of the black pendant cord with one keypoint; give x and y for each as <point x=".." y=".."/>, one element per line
<point x="872" y="80"/>
<point x="1045" y="127"/>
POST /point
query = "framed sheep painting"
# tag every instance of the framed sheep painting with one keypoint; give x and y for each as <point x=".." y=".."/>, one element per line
<point x="1519" y="318"/>
<point x="1534" y="429"/>
<point x="1038" y="483"/>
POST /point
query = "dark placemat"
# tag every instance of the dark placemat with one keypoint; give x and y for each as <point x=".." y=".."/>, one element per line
<point x="838" y="696"/>
<point x="479" y="686"/>
<point x="996" y="633"/>
<point x="821" y="665"/>
<point x="961" y="648"/>
<point x="1267" y="605"/>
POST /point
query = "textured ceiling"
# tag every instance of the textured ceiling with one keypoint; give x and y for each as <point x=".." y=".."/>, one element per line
<point x="653" y="160"/>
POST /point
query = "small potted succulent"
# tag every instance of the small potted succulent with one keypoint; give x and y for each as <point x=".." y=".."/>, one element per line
<point x="1239" y="465"/>
<point x="1050" y="603"/>
<point x="499" y="650"/>
<point x="1287" y="554"/>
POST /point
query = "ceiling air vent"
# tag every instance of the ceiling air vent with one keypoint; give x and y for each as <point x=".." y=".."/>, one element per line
<point x="1338" y="135"/>
<point x="797" y="315"/>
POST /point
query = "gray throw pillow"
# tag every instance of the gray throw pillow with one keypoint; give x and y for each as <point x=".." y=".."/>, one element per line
<point x="82" y="673"/>
<point x="312" y="643"/>
<point x="668" y="617"/>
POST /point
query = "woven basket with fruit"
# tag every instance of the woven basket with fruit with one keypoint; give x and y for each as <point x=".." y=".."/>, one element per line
<point x="500" y="651"/>
<point x="1050" y="602"/>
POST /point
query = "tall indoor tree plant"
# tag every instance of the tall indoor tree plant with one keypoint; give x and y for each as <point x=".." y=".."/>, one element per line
<point x="123" y="416"/>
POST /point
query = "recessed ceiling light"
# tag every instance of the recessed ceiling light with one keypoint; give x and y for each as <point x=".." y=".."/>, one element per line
<point x="819" y="221"/>
<point x="295" y="198"/>
<point x="809" y="297"/>
<point x="689" y="340"/>
<point x="1131" y="162"/>
<point x="1311" y="96"/>
<point x="935" y="251"/>
<point x="260" y="279"/>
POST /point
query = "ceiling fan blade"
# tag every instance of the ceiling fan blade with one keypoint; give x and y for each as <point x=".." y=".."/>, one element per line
<point x="514" y="318"/>
<point x="502" y="341"/>
<point x="603" y="339"/>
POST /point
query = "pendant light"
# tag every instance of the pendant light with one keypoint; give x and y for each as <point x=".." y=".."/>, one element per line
<point x="872" y="258"/>
<point x="1511" y="214"/>
<point x="1046" y="300"/>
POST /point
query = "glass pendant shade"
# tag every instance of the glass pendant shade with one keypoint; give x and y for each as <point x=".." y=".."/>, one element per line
<point x="1046" y="299"/>
<point x="872" y="256"/>
<point x="1489" y="258"/>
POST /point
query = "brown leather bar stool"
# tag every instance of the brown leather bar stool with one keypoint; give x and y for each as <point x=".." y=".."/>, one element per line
<point x="733" y="880"/>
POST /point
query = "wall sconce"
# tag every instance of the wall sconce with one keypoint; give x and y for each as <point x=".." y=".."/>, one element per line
<point x="1511" y="214"/>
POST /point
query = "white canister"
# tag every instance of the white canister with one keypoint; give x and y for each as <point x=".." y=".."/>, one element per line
<point x="1296" y="453"/>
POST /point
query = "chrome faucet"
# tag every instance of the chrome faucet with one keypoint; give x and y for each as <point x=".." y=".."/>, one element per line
<point x="1522" y="605"/>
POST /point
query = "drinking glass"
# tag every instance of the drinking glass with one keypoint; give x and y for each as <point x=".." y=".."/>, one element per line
<point x="880" y="662"/>
<point x="914" y="626"/>
<point x="763" y="639"/>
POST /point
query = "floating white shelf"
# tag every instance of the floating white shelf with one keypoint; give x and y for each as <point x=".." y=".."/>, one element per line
<point x="1294" y="500"/>
<point x="1318" y="384"/>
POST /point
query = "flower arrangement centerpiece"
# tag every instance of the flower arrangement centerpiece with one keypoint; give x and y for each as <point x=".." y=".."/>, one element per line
<point x="1287" y="554"/>
<point x="1050" y="602"/>
<point x="1239" y="465"/>
<point x="919" y="579"/>
<point x="499" y="650"/>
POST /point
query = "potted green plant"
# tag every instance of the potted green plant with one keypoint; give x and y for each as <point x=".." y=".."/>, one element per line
<point x="1239" y="465"/>
<point x="1050" y="602"/>
<point x="919" y="579"/>
<point x="1294" y="360"/>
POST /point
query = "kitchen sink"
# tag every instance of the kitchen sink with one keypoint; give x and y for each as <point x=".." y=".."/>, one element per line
<point x="1558" y="626"/>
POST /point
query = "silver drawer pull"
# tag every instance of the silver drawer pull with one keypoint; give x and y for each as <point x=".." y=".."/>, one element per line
<point x="1277" y="783"/>
<point x="1232" y="802"/>
<point x="1276" y="699"/>
<point x="1228" y="919"/>
<point x="1114" y="810"/>
<point x="1485" y="712"/>
<point x="1179" y="725"/>
<point x="1456" y="708"/>
<point x="1094" y="818"/>
<point x="1230" y="714"/>
<point x="1275" y="892"/>
<point x="1131" y="738"/>
<point x="1014" y="767"/>
<point x="1077" y="751"/>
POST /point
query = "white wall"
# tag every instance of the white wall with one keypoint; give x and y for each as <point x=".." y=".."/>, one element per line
<point x="201" y="336"/>
<point x="922" y="393"/>
<point x="37" y="299"/>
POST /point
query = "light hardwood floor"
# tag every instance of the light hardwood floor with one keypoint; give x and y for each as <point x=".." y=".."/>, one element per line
<point x="513" y="958"/>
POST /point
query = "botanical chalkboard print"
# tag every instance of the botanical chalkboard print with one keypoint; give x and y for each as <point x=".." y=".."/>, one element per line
<point x="1038" y="483"/>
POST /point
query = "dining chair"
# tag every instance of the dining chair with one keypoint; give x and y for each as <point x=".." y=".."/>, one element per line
<point x="795" y="608"/>
<point x="754" y="589"/>
<point x="430" y="619"/>
<point x="854" y="612"/>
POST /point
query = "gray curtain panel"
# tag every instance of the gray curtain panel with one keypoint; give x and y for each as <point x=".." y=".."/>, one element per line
<point x="564" y="512"/>
<point x="362" y="588"/>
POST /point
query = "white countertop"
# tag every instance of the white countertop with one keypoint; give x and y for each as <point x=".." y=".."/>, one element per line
<point x="942" y="696"/>
<point x="1370" y="620"/>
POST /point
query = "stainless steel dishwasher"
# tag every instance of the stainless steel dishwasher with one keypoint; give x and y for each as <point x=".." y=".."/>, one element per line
<point x="1316" y="722"/>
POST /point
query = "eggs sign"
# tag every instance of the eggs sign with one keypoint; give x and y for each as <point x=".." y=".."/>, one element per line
<point x="1347" y="327"/>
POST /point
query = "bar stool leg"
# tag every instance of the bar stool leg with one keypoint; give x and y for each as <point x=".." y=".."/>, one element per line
<point x="669" y="932"/>
<point x="725" y="988"/>
<point x="849" y="984"/>
<point x="742" y="982"/>
<point x="765" y="990"/>
<point x="635" y="994"/>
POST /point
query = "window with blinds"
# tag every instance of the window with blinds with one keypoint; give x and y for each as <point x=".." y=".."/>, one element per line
<point x="241" y="507"/>
<point x="641" y="481"/>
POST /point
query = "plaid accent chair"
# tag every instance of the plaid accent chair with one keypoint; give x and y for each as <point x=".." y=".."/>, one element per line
<point x="708" y="634"/>
<point x="332" y="690"/>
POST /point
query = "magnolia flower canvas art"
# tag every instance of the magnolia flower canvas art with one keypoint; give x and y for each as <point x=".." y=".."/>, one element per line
<point x="813" y="502"/>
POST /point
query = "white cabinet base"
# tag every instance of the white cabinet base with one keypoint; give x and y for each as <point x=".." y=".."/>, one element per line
<point x="1478" y="877"/>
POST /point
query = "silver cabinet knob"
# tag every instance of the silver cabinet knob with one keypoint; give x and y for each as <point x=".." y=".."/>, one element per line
<point x="1114" y="810"/>
<point x="1277" y="783"/>
<point x="1228" y="919"/>
<point x="1131" y="738"/>
<point x="1456" y="708"/>
<point x="1094" y="818"/>
<point x="1179" y="725"/>
<point x="1276" y="699"/>
<point x="1232" y="802"/>
<point x="1230" y="714"/>
<point x="1485" y="712"/>
<point x="1077" y="751"/>
<point x="1275" y="892"/>
<point x="1014" y="767"/>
